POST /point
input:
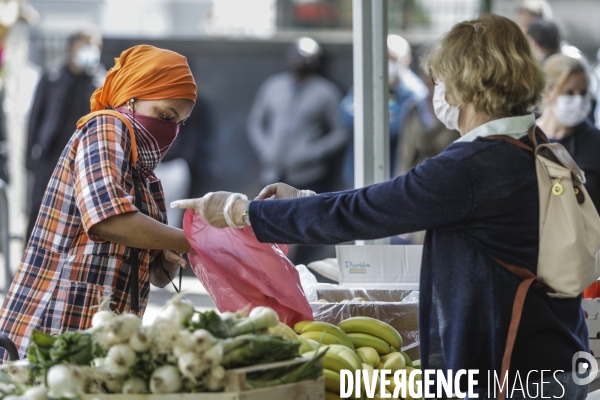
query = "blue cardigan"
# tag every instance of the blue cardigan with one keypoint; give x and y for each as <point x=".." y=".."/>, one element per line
<point x="476" y="200"/>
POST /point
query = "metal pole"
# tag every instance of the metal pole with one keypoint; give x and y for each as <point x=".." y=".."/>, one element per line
<point x="371" y="119"/>
<point x="4" y="233"/>
<point x="363" y="92"/>
<point x="381" y="130"/>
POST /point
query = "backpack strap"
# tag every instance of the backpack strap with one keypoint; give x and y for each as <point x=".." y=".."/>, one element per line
<point x="514" y="141"/>
<point x="533" y="133"/>
<point x="529" y="280"/>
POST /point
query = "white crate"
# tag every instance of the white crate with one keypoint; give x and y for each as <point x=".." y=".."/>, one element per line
<point x="398" y="267"/>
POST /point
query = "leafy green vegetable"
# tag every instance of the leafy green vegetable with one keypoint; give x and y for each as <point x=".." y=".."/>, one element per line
<point x="212" y="322"/>
<point x="257" y="349"/>
<point x="70" y="347"/>
<point x="282" y="376"/>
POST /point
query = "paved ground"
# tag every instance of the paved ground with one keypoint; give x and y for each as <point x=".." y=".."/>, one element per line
<point x="158" y="297"/>
<point x="193" y="290"/>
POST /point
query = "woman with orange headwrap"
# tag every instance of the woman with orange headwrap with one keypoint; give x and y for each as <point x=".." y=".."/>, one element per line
<point x="101" y="231"/>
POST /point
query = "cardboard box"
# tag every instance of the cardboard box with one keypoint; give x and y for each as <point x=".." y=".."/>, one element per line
<point x="397" y="266"/>
<point x="384" y="305"/>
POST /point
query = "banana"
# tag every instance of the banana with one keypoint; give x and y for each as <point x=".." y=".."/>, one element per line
<point x="369" y="371"/>
<point x="417" y="378"/>
<point x="306" y="345"/>
<point x="324" y="338"/>
<point x="388" y="394"/>
<point x="332" y="380"/>
<point x="373" y="327"/>
<point x="299" y="325"/>
<point x="331" y="395"/>
<point x="329" y="328"/>
<point x="333" y="362"/>
<point x="392" y="386"/>
<point x="352" y="358"/>
<point x="416" y="364"/>
<point x="321" y="301"/>
<point x="386" y="357"/>
<point x="359" y="299"/>
<point x="367" y="340"/>
<point x="284" y="331"/>
<point x="379" y="366"/>
<point x="395" y="362"/>
<point x="368" y="355"/>
<point x="406" y="358"/>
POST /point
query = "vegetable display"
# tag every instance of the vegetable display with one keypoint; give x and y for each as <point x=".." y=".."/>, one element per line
<point x="183" y="351"/>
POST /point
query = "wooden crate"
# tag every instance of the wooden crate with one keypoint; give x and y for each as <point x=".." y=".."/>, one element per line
<point x="236" y="388"/>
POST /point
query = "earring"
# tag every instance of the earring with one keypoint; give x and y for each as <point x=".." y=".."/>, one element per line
<point x="131" y="105"/>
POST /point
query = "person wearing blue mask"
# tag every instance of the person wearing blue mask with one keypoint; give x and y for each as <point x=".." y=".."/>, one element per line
<point x="406" y="90"/>
<point x="61" y="98"/>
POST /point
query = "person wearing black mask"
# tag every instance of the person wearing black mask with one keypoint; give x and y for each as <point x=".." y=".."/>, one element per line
<point x="61" y="98"/>
<point x="294" y="125"/>
<point x="544" y="38"/>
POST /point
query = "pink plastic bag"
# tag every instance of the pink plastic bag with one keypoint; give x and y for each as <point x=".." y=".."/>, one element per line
<point x="237" y="270"/>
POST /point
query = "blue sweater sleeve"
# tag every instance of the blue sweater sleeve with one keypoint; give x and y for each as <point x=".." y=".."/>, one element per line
<point x="435" y="195"/>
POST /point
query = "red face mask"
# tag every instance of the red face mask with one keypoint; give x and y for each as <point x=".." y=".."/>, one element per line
<point x="154" y="136"/>
<point x="164" y="132"/>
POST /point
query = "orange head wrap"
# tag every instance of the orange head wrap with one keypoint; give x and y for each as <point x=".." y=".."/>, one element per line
<point x="146" y="73"/>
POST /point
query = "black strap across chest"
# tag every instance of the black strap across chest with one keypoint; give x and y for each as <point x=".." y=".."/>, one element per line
<point x="134" y="283"/>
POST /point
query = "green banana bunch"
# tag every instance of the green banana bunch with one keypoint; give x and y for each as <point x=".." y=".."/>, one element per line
<point x="330" y="329"/>
<point x="367" y="340"/>
<point x="372" y="327"/>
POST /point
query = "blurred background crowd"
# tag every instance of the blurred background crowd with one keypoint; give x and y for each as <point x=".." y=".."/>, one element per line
<point x="275" y="99"/>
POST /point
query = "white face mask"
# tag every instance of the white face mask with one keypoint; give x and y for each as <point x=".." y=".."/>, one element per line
<point x="443" y="110"/>
<point x="87" y="57"/>
<point x="571" y="110"/>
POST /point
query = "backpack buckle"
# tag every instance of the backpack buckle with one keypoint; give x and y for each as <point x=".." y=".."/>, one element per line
<point x="557" y="189"/>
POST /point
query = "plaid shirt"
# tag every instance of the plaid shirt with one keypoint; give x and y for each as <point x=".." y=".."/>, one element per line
<point x="65" y="271"/>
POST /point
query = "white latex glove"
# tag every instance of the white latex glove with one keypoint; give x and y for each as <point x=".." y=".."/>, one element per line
<point x="219" y="209"/>
<point x="283" y="191"/>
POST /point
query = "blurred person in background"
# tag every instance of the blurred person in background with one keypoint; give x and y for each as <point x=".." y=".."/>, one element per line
<point x="424" y="136"/>
<point x="595" y="89"/>
<point x="293" y="124"/>
<point x="3" y="123"/>
<point x="61" y="98"/>
<point x="3" y="136"/>
<point x="530" y="10"/>
<point x="566" y="106"/>
<point x="295" y="130"/>
<point x="406" y="90"/>
<point x="544" y="38"/>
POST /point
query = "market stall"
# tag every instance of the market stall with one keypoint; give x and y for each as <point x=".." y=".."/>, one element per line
<point x="248" y="354"/>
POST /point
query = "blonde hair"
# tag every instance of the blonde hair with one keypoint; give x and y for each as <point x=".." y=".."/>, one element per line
<point x="488" y="62"/>
<point x="559" y="68"/>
